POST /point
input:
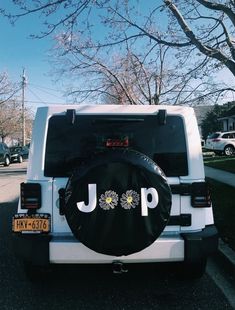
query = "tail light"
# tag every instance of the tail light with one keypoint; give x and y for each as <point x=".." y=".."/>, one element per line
<point x="216" y="140"/>
<point x="200" y="196"/>
<point x="30" y="195"/>
<point x="117" y="142"/>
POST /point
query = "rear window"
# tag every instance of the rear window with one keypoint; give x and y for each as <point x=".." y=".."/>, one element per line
<point x="69" y="145"/>
<point x="15" y="149"/>
<point x="213" y="136"/>
<point x="228" y="136"/>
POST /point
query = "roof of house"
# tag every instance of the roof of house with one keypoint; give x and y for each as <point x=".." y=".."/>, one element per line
<point x="201" y="111"/>
<point x="229" y="113"/>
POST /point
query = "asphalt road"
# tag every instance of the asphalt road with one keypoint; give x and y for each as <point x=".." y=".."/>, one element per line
<point x="93" y="287"/>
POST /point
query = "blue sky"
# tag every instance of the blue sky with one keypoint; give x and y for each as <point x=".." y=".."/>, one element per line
<point x="19" y="51"/>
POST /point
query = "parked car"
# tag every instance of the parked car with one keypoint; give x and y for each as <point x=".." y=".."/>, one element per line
<point x="115" y="184"/>
<point x="18" y="153"/>
<point x="5" y="155"/>
<point x="221" y="143"/>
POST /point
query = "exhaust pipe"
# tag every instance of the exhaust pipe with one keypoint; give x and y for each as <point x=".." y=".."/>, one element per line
<point x="119" y="268"/>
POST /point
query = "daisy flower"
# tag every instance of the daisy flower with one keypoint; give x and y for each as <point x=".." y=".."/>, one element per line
<point x="130" y="199"/>
<point x="108" y="200"/>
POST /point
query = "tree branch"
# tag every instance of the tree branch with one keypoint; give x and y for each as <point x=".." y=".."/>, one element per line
<point x="149" y="35"/>
<point x="219" y="7"/>
<point x="206" y="50"/>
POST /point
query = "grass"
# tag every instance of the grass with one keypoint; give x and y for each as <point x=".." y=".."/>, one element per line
<point x="223" y="199"/>
<point x="221" y="162"/>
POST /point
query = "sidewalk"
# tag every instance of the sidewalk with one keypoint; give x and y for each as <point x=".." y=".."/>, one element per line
<point x="10" y="189"/>
<point x="10" y="179"/>
<point x="220" y="175"/>
<point x="225" y="253"/>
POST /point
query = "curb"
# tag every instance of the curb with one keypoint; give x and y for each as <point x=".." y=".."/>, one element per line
<point x="227" y="255"/>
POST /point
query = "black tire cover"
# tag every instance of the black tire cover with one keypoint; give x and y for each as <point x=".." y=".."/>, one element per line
<point x="120" y="223"/>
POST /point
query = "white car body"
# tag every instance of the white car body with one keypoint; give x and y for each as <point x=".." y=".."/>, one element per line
<point x="221" y="142"/>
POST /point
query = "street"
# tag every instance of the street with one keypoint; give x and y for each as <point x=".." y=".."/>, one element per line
<point x="92" y="287"/>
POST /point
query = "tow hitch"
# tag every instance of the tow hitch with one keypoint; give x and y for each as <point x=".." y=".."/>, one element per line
<point x="119" y="267"/>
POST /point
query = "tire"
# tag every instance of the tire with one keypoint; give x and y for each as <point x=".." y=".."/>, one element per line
<point x="121" y="221"/>
<point x="20" y="159"/>
<point x="7" y="161"/>
<point x="229" y="150"/>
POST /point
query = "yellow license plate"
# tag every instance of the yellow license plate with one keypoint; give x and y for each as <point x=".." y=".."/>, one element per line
<point x="31" y="223"/>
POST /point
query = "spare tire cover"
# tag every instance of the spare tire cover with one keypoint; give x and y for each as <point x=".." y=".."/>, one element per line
<point x="118" y="203"/>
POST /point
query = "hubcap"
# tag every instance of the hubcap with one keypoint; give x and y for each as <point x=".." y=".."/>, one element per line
<point x="229" y="151"/>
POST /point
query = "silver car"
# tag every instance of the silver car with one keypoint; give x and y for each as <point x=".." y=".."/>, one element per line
<point x="221" y="143"/>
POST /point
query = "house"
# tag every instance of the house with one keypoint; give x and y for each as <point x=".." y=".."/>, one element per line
<point x="228" y="119"/>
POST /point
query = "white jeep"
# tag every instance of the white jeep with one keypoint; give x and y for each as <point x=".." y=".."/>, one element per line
<point x="113" y="184"/>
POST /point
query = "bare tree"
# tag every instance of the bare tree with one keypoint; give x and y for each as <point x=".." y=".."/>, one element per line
<point x="71" y="10"/>
<point x="215" y="38"/>
<point x="148" y="76"/>
<point x="7" y="88"/>
<point x="201" y="31"/>
<point x="198" y="33"/>
<point x="123" y="78"/>
<point x="11" y="121"/>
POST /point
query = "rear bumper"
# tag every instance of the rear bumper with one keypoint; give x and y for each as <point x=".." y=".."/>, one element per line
<point x="201" y="244"/>
<point x="165" y="249"/>
<point x="44" y="249"/>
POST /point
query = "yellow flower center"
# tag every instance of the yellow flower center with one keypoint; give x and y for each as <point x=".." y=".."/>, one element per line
<point x="129" y="199"/>
<point x="108" y="200"/>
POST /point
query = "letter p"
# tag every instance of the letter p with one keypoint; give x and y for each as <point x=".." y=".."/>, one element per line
<point x="145" y="203"/>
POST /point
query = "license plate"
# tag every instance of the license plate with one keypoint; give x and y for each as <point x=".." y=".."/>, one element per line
<point x="39" y="223"/>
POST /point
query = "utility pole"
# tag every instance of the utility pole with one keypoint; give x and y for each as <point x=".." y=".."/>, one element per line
<point x="23" y="84"/>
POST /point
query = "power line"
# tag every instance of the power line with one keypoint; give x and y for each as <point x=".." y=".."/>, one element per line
<point x="46" y="92"/>
<point x="46" y="102"/>
<point x="42" y="101"/>
<point x="39" y="86"/>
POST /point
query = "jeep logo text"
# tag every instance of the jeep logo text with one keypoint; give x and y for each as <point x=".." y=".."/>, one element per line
<point x="148" y="198"/>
